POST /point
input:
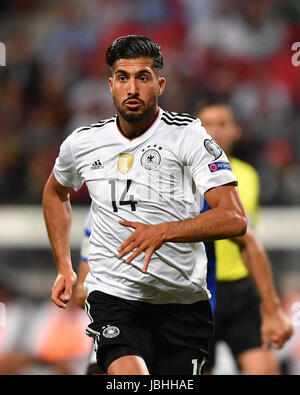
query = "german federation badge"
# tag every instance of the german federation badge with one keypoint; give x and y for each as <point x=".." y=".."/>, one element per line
<point x="150" y="159"/>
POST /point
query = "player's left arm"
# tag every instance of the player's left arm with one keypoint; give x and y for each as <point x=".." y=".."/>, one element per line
<point x="226" y="219"/>
<point x="276" y="328"/>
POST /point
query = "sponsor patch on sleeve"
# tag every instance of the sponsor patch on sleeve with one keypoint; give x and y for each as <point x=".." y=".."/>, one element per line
<point x="213" y="167"/>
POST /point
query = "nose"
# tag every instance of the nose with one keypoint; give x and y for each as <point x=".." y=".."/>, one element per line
<point x="132" y="88"/>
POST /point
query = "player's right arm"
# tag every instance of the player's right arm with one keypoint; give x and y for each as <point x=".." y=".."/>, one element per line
<point x="80" y="293"/>
<point x="276" y="328"/>
<point x="58" y="214"/>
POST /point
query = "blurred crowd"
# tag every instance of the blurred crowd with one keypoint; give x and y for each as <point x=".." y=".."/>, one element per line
<point x="55" y="79"/>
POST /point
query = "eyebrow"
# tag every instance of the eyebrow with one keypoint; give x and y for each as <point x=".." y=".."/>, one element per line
<point x="140" y="72"/>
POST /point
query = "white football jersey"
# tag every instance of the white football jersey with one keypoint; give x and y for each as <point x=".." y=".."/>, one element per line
<point x="152" y="178"/>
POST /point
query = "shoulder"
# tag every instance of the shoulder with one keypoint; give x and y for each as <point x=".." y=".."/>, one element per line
<point x="181" y="126"/>
<point x="94" y="127"/>
<point x="175" y="119"/>
<point x="83" y="135"/>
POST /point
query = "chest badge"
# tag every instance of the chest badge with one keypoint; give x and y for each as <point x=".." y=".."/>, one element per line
<point x="125" y="162"/>
<point x="151" y="158"/>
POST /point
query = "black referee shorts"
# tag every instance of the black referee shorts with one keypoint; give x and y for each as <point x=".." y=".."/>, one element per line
<point x="173" y="339"/>
<point x="237" y="317"/>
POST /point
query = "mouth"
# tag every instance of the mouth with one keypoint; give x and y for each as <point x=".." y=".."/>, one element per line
<point x="133" y="104"/>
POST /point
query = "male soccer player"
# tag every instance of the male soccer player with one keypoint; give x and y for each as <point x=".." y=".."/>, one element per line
<point x="239" y="260"/>
<point x="80" y="294"/>
<point x="147" y="294"/>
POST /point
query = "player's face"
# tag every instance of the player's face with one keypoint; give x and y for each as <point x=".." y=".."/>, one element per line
<point x="219" y="123"/>
<point x="135" y="87"/>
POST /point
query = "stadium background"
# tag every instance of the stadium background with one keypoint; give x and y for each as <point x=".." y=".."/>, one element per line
<point x="55" y="79"/>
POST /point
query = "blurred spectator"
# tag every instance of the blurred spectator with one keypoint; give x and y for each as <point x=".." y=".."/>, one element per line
<point x="249" y="30"/>
<point x="56" y="80"/>
<point x="56" y="77"/>
<point x="263" y="103"/>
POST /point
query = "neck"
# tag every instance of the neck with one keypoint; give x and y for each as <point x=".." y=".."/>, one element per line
<point x="132" y="130"/>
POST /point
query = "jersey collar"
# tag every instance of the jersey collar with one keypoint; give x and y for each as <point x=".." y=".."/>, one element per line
<point x="143" y="136"/>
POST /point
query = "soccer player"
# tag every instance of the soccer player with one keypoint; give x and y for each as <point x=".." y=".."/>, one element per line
<point x="80" y="294"/>
<point x="238" y="321"/>
<point x="147" y="295"/>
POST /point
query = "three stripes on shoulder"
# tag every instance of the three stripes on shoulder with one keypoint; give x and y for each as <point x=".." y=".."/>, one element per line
<point x="97" y="124"/>
<point x="178" y="119"/>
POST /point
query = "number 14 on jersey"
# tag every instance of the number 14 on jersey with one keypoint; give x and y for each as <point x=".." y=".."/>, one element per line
<point x="123" y="200"/>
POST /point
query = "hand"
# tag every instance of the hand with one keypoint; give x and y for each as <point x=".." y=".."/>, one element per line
<point x="145" y="238"/>
<point x="276" y="329"/>
<point x="62" y="288"/>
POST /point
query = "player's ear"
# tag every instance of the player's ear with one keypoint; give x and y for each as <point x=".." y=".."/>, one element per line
<point x="162" y="85"/>
<point x="110" y="83"/>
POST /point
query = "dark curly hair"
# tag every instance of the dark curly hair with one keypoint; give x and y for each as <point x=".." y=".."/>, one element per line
<point x="132" y="47"/>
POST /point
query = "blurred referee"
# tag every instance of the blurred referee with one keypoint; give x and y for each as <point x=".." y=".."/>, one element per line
<point x="248" y="329"/>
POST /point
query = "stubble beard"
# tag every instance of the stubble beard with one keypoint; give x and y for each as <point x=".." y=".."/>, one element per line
<point x="135" y="117"/>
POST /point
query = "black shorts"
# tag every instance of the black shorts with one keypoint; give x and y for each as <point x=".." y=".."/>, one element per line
<point x="171" y="338"/>
<point x="237" y="317"/>
<point x="93" y="368"/>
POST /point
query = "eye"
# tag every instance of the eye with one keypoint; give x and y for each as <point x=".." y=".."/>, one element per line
<point x="144" y="78"/>
<point x="122" y="78"/>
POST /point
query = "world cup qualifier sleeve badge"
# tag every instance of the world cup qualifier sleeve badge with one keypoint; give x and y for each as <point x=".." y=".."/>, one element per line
<point x="151" y="158"/>
<point x="213" y="148"/>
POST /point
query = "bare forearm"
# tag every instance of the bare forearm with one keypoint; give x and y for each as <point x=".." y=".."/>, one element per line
<point x="80" y="292"/>
<point x="227" y="218"/>
<point x="260" y="271"/>
<point x="58" y="214"/>
<point x="212" y="225"/>
<point x="276" y="328"/>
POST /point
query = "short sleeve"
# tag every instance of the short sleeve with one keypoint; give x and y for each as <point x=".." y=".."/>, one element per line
<point x="207" y="162"/>
<point x="64" y="169"/>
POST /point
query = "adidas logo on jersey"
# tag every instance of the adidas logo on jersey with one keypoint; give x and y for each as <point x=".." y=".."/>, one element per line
<point x="97" y="165"/>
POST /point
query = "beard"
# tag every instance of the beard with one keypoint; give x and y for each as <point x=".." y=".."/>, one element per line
<point x="132" y="116"/>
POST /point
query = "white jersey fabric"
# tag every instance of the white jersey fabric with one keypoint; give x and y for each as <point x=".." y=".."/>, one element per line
<point x="149" y="179"/>
<point x="84" y="248"/>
